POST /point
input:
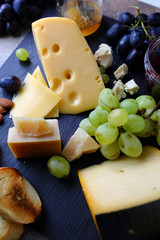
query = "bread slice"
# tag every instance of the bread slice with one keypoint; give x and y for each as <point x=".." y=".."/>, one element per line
<point x="10" y="231"/>
<point x="19" y="202"/>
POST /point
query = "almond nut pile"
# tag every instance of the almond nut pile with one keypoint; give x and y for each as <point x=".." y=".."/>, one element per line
<point x="5" y="104"/>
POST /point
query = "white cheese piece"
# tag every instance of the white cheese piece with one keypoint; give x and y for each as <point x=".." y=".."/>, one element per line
<point x="104" y="55"/>
<point x="131" y="87"/>
<point x="119" y="89"/>
<point x="121" y="71"/>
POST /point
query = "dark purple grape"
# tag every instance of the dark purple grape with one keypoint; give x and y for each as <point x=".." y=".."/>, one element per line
<point x="136" y="39"/>
<point x="19" y="7"/>
<point x="2" y="26"/>
<point x="145" y="44"/>
<point x="154" y="19"/>
<point x="10" y="83"/>
<point x="124" y="46"/>
<point x="154" y="31"/>
<point x="127" y="18"/>
<point x="31" y="14"/>
<point x="115" y="32"/>
<point x="6" y="11"/>
<point x="12" y="27"/>
<point x="8" y="1"/>
<point x="144" y="18"/>
<point x="1" y="1"/>
<point x="134" y="57"/>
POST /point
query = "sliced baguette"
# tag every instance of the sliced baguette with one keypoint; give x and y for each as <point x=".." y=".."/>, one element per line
<point x="10" y="231"/>
<point x="19" y="202"/>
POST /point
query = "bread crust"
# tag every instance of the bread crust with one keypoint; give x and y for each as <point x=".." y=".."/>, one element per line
<point x="19" y="202"/>
<point x="10" y="231"/>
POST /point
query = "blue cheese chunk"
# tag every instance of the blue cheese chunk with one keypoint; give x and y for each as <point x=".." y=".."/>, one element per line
<point x="131" y="87"/>
<point x="121" y="71"/>
<point x="119" y="89"/>
<point x="104" y="55"/>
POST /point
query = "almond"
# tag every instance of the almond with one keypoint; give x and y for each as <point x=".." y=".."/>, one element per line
<point x="6" y="103"/>
<point x="1" y="118"/>
<point x="2" y="110"/>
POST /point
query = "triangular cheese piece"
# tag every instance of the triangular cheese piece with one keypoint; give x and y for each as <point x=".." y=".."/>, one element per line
<point x="70" y="67"/>
<point x="80" y="143"/>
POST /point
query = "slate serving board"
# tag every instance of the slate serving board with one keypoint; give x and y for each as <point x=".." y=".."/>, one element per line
<point x="65" y="212"/>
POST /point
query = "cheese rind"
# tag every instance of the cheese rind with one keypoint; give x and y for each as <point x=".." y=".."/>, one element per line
<point x="30" y="147"/>
<point x="80" y="143"/>
<point x="34" y="99"/>
<point x="69" y="64"/>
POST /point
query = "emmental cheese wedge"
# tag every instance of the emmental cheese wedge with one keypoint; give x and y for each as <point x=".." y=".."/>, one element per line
<point x="34" y="99"/>
<point x="70" y="67"/>
<point x="35" y="146"/>
<point x="80" y="143"/>
<point x="124" y="196"/>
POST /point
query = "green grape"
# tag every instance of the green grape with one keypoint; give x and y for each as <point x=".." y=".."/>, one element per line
<point x="148" y="129"/>
<point x="110" y="151"/>
<point x="86" y="125"/>
<point x="130" y="145"/>
<point x="118" y="117"/>
<point x="58" y="166"/>
<point x="158" y="137"/>
<point x="158" y="116"/>
<point x="153" y="116"/>
<point x="98" y="117"/>
<point x="108" y="98"/>
<point x="105" y="78"/>
<point x="130" y="105"/>
<point x="146" y="101"/>
<point x="106" y="134"/>
<point x="134" y="124"/>
<point x="22" y="54"/>
<point x="102" y="70"/>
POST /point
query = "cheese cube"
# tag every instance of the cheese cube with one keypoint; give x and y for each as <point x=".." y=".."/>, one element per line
<point x="70" y="67"/>
<point x="80" y="143"/>
<point x="40" y="146"/>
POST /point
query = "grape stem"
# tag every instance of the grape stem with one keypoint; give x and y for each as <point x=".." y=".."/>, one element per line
<point x="140" y="21"/>
<point x="151" y="113"/>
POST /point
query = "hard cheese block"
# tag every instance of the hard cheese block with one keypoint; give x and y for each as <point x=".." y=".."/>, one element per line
<point x="34" y="99"/>
<point x="80" y="143"/>
<point x="30" y="146"/>
<point x="123" y="195"/>
<point x="69" y="65"/>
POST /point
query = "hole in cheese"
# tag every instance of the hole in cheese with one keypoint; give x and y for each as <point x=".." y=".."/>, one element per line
<point x="68" y="74"/>
<point x="57" y="85"/>
<point x="74" y="98"/>
<point x="87" y="50"/>
<point x="55" y="48"/>
<point x="44" y="52"/>
<point x="98" y="79"/>
<point x="42" y="27"/>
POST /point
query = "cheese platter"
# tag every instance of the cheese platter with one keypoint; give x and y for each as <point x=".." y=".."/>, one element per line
<point x="65" y="213"/>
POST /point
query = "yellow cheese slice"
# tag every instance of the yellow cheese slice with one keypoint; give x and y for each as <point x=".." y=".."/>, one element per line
<point x="34" y="99"/>
<point x="80" y="143"/>
<point x="70" y="67"/>
<point x="32" y="126"/>
<point x="39" y="146"/>
<point x="38" y="75"/>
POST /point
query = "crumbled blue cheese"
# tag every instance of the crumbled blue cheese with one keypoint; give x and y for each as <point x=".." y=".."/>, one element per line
<point x="119" y="89"/>
<point x="131" y="87"/>
<point x="104" y="55"/>
<point x="121" y="71"/>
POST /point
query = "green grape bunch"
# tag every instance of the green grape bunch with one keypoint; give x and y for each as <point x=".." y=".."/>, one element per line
<point x="118" y="126"/>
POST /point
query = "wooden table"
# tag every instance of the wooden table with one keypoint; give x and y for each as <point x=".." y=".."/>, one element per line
<point x="111" y="9"/>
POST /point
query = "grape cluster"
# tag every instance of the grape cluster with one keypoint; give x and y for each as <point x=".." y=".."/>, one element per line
<point x="15" y="15"/>
<point x="118" y="126"/>
<point x="132" y="35"/>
